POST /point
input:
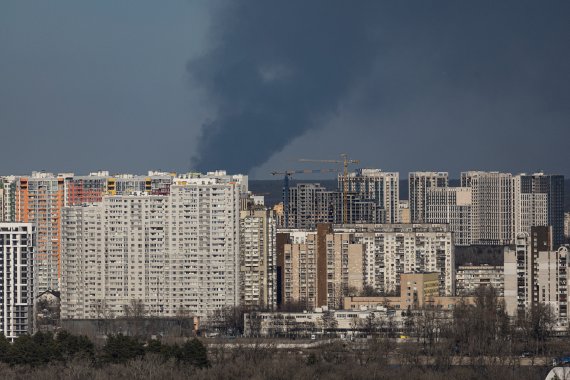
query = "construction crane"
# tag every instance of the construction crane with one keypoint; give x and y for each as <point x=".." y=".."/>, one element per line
<point x="345" y="161"/>
<point x="286" y="176"/>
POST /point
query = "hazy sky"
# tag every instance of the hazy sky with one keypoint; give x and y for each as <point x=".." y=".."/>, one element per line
<point x="252" y="85"/>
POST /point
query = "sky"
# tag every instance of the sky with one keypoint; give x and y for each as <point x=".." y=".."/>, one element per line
<point x="251" y="86"/>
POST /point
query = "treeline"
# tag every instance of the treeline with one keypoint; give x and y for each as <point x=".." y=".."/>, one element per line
<point x="63" y="347"/>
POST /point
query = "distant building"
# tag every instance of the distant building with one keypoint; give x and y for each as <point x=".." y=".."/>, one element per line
<point x="452" y="205"/>
<point x="311" y="204"/>
<point x="492" y="207"/>
<point x="374" y="185"/>
<point x="418" y="185"/>
<point x="17" y="288"/>
<point x="470" y="277"/>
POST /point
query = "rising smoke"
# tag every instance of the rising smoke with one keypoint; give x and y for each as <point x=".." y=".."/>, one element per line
<point x="277" y="69"/>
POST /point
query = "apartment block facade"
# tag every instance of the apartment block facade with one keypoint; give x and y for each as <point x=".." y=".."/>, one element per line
<point x="17" y="287"/>
<point x="39" y="200"/>
<point x="391" y="250"/>
<point x="258" y="260"/>
<point x="321" y="269"/>
<point x="174" y="253"/>
<point x="452" y="205"/>
<point x="537" y="273"/>
<point x="492" y="206"/>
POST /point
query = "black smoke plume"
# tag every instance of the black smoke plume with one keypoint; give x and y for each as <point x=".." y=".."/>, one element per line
<point x="480" y="71"/>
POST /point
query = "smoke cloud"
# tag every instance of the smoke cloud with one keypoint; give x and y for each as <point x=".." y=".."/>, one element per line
<point x="277" y="69"/>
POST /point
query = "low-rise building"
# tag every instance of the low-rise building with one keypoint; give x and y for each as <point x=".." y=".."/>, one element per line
<point x="417" y="290"/>
<point x="470" y="277"/>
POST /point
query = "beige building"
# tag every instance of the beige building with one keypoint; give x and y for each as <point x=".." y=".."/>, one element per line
<point x="404" y="214"/>
<point x="344" y="267"/>
<point x="417" y="290"/>
<point x="258" y="276"/>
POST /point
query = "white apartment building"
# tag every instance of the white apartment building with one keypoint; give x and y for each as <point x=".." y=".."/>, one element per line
<point x="418" y="185"/>
<point x="175" y="253"/>
<point x="258" y="265"/>
<point x="17" y="287"/>
<point x="451" y="205"/>
<point x="391" y="250"/>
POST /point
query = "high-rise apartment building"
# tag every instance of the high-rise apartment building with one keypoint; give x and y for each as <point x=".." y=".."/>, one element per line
<point x="536" y="273"/>
<point x="345" y="267"/>
<point x="17" y="283"/>
<point x="374" y="185"/>
<point x="492" y="207"/>
<point x="258" y="260"/>
<point x="8" y="198"/>
<point x="418" y="185"/>
<point x="174" y="253"/>
<point x="39" y="200"/>
<point x="451" y="205"/>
